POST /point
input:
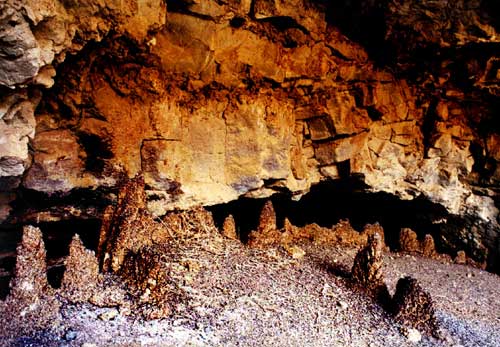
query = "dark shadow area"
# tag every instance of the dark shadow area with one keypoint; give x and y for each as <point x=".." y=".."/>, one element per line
<point x="284" y="23"/>
<point x="330" y="201"/>
<point x="55" y="275"/>
<point x="57" y="235"/>
<point x="363" y="22"/>
<point x="97" y="150"/>
<point x="30" y="201"/>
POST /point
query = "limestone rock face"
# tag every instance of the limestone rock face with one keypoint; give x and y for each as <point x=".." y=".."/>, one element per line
<point x="214" y="100"/>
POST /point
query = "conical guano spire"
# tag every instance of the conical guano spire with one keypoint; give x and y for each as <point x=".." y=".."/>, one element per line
<point x="82" y="272"/>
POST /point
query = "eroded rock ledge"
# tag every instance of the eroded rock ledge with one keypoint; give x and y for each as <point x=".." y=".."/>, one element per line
<point x="213" y="100"/>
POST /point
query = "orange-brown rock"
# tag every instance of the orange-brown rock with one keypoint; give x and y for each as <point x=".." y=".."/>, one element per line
<point x="372" y="229"/>
<point x="150" y="279"/>
<point x="267" y="219"/>
<point x="129" y="227"/>
<point x="428" y="247"/>
<point x="229" y="228"/>
<point x="288" y="92"/>
<point x="408" y="241"/>
<point x="267" y="232"/>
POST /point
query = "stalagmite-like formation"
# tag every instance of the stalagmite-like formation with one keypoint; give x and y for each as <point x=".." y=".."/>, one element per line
<point x="128" y="226"/>
<point x="31" y="304"/>
<point x="267" y="232"/>
<point x="81" y="275"/>
<point x="229" y="228"/>
<point x="367" y="269"/>
<point x="414" y="307"/>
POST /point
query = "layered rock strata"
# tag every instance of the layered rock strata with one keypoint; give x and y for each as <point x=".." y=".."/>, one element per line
<point x="214" y="100"/>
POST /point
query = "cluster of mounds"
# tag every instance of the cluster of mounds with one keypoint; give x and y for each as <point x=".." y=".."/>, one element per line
<point x="409" y="243"/>
<point x="156" y="268"/>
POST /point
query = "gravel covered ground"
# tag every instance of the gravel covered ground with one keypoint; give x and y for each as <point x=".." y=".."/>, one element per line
<point x="249" y="297"/>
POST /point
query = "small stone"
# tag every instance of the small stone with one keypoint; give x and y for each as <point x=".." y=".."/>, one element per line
<point x="342" y="305"/>
<point x="413" y="335"/>
<point x="295" y="252"/>
<point x="461" y="258"/>
<point x="87" y="344"/>
<point x="108" y="315"/>
<point x="70" y="335"/>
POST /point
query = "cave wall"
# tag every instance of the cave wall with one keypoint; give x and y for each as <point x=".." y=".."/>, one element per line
<point x="213" y="100"/>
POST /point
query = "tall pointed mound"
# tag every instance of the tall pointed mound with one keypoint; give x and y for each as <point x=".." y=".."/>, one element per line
<point x="267" y="219"/>
<point x="408" y="241"/>
<point x="412" y="306"/>
<point x="267" y="232"/>
<point x="229" y="228"/>
<point x="31" y="305"/>
<point x="367" y="269"/>
<point x="81" y="277"/>
<point x="30" y="280"/>
<point x="128" y="226"/>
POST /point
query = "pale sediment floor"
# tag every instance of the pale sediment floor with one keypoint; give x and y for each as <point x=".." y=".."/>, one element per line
<point x="249" y="297"/>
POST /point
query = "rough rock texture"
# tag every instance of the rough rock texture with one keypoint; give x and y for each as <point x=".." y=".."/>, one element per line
<point x="414" y="307"/>
<point x="213" y="100"/>
<point x="128" y="227"/>
<point x="31" y="299"/>
<point x="408" y="241"/>
<point x="267" y="232"/>
<point x="81" y="274"/>
<point x="229" y="228"/>
<point x="367" y="269"/>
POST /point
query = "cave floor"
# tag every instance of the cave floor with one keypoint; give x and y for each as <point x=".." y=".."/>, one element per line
<point x="251" y="297"/>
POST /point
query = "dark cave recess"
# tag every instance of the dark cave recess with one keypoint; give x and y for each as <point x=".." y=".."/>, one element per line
<point x="326" y="204"/>
<point x="330" y="201"/>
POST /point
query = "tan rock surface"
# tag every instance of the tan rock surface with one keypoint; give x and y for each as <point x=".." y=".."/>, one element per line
<point x="212" y="101"/>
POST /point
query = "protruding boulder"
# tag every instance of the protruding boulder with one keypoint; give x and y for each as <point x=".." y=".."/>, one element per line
<point x="413" y="307"/>
<point x="81" y="277"/>
<point x="229" y="228"/>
